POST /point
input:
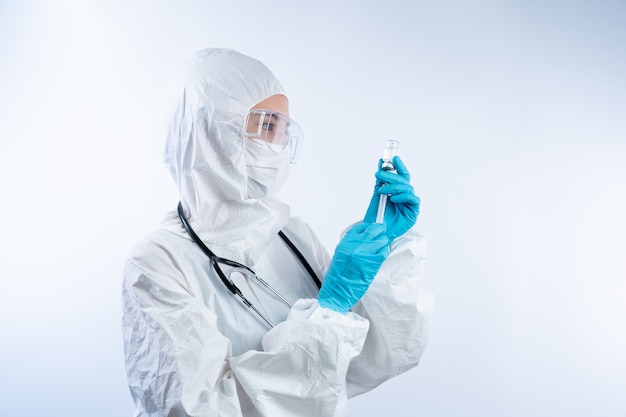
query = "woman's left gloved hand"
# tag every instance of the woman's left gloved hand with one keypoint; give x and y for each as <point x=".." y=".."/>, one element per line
<point x="357" y="259"/>
<point x="402" y="204"/>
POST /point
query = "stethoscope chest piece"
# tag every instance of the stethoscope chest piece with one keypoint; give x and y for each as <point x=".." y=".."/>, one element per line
<point x="246" y="273"/>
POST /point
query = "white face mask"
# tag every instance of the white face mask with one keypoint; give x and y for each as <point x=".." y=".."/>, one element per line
<point x="267" y="171"/>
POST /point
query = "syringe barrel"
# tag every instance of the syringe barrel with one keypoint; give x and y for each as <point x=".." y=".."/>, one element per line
<point x="382" y="204"/>
<point x="391" y="148"/>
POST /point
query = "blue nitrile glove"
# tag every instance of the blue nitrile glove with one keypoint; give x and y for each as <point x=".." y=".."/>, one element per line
<point x="403" y="205"/>
<point x="357" y="259"/>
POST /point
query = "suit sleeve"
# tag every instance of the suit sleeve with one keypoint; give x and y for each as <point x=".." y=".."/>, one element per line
<point x="399" y="313"/>
<point x="179" y="364"/>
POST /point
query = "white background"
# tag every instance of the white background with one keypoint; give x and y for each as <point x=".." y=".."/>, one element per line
<point x="512" y="120"/>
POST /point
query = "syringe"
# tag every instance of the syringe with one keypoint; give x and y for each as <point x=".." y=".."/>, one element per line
<point x="390" y="151"/>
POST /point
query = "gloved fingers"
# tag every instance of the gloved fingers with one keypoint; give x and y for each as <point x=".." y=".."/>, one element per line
<point x="374" y="231"/>
<point x="358" y="228"/>
<point x="368" y="238"/>
<point x="380" y="164"/>
<point x="397" y="188"/>
<point x="401" y="173"/>
<point x="376" y="238"/>
<point x="383" y="251"/>
<point x="367" y="231"/>
<point x="378" y="246"/>
<point x="405" y="198"/>
<point x="401" y="168"/>
<point x="388" y="177"/>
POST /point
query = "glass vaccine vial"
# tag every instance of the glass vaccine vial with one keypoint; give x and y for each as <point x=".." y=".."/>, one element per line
<point x="391" y="149"/>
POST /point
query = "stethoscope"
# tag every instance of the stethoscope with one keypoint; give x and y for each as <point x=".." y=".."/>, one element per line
<point x="216" y="260"/>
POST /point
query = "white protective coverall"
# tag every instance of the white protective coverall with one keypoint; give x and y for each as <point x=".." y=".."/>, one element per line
<point x="192" y="348"/>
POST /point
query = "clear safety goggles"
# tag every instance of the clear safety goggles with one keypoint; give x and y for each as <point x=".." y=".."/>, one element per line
<point x="276" y="130"/>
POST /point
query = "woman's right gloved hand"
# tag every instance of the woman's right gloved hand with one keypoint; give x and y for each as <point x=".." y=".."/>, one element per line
<point x="356" y="261"/>
<point x="403" y="205"/>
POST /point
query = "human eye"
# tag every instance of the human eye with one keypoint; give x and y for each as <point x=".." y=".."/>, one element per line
<point x="269" y="126"/>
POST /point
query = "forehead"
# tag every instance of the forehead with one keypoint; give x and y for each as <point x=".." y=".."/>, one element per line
<point x="277" y="103"/>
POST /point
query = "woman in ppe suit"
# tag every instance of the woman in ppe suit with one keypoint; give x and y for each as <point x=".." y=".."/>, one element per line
<point x="192" y="347"/>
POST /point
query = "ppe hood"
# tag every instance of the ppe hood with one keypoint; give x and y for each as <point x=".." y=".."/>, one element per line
<point x="205" y="154"/>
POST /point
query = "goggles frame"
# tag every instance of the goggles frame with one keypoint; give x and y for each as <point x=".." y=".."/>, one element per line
<point x="276" y="130"/>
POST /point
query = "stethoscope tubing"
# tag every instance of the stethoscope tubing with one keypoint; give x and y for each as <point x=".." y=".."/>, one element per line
<point x="216" y="260"/>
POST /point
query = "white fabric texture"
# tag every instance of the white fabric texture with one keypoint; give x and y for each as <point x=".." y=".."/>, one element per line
<point x="191" y="347"/>
<point x="205" y="153"/>
<point x="267" y="170"/>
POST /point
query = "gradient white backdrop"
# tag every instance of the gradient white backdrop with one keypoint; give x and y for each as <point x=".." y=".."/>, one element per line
<point x="511" y="117"/>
